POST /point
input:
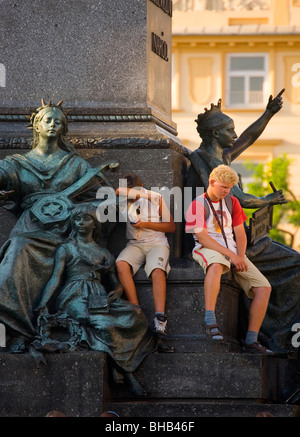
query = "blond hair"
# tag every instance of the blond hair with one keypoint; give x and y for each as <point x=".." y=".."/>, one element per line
<point x="224" y="173"/>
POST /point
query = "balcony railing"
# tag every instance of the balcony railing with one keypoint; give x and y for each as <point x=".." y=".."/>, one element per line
<point x="221" y="5"/>
<point x="241" y="98"/>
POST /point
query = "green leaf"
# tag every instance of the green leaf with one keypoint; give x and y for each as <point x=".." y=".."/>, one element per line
<point x="276" y="171"/>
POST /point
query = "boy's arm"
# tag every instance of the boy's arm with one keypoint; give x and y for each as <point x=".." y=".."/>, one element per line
<point x="240" y="239"/>
<point x="134" y="194"/>
<point x="167" y="222"/>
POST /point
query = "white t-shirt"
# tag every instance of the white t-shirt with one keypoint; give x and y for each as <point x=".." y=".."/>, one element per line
<point x="145" y="211"/>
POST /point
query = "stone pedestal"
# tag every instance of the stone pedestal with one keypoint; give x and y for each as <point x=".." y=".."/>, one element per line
<point x="110" y="61"/>
<point x="75" y="383"/>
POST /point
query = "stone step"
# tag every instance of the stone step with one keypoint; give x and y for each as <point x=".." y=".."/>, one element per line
<point x="183" y="384"/>
<point x="207" y="375"/>
<point x="71" y="382"/>
<point x="281" y="379"/>
<point x="185" y="304"/>
<point x="198" y="408"/>
<point x="200" y="343"/>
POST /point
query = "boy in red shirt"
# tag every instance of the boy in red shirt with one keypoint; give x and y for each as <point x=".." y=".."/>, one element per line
<point x="220" y="242"/>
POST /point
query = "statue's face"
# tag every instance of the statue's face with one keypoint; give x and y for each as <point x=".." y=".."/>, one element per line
<point x="226" y="135"/>
<point x="84" y="223"/>
<point x="51" y="124"/>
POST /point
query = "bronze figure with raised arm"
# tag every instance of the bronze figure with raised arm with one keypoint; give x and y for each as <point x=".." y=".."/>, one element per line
<point x="221" y="145"/>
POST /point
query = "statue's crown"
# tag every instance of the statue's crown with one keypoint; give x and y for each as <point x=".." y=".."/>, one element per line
<point x="45" y="106"/>
<point x="212" y="118"/>
<point x="214" y="109"/>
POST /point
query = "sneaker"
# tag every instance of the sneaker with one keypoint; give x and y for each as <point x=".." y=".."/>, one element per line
<point x="256" y="348"/>
<point x="160" y="323"/>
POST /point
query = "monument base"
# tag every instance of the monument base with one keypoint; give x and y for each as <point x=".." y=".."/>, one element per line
<point x="75" y="383"/>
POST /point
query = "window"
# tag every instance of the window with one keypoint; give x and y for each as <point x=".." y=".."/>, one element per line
<point x="247" y="80"/>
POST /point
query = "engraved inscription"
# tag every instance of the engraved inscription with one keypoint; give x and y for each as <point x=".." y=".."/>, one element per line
<point x="159" y="46"/>
<point x="165" y="5"/>
<point x="260" y="223"/>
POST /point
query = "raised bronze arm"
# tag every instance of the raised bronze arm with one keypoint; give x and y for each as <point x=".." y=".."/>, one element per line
<point x="250" y="135"/>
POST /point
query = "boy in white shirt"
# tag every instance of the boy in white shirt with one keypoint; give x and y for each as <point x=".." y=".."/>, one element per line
<point x="148" y="220"/>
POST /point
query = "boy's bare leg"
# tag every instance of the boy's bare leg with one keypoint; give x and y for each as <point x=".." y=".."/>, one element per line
<point x="257" y="313"/>
<point x="126" y="280"/>
<point x="212" y="285"/>
<point x="159" y="289"/>
<point x="258" y="307"/>
<point x="211" y="291"/>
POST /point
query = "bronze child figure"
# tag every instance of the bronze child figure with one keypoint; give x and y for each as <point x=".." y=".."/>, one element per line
<point x="84" y="285"/>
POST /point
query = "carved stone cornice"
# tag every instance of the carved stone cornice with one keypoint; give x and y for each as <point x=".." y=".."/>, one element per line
<point x="91" y="117"/>
<point x="100" y="118"/>
<point x="25" y="143"/>
<point x="15" y="142"/>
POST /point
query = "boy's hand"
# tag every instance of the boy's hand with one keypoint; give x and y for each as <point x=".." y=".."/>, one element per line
<point x="239" y="263"/>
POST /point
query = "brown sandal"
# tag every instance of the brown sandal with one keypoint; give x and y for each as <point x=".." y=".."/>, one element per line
<point x="256" y="348"/>
<point x="210" y="334"/>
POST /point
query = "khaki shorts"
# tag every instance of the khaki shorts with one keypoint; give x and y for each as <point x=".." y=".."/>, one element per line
<point x="153" y="256"/>
<point x="251" y="278"/>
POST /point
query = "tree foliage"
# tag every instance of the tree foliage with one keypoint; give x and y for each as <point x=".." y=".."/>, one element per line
<point x="276" y="171"/>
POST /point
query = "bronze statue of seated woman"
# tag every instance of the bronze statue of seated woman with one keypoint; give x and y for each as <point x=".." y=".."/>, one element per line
<point x="39" y="183"/>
